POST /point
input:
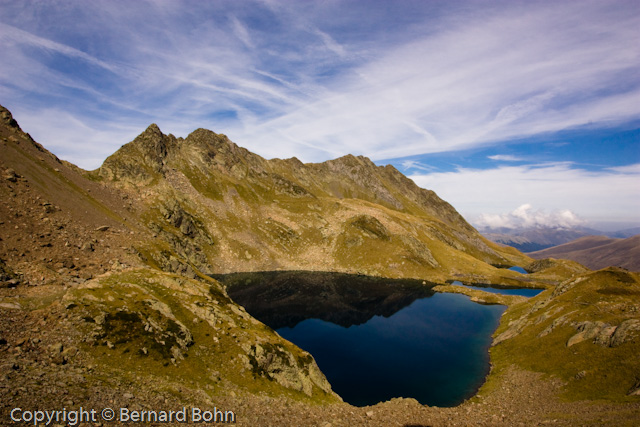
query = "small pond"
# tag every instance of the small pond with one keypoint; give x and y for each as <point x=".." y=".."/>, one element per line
<point x="525" y="292"/>
<point x="376" y="339"/>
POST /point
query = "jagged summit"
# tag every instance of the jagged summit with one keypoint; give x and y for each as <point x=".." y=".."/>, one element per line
<point x="152" y="129"/>
<point x="152" y="153"/>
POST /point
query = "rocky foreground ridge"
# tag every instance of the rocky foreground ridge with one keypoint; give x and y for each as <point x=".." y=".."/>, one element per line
<point x="105" y="298"/>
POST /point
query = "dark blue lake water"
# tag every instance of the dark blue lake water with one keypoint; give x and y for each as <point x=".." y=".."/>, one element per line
<point x="435" y="350"/>
<point x="518" y="269"/>
<point x="374" y="338"/>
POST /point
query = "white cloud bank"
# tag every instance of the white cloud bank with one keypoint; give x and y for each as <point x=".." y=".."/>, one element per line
<point x="611" y="195"/>
<point x="526" y="217"/>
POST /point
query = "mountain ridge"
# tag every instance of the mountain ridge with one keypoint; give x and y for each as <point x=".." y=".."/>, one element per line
<point x="300" y="200"/>
<point x="217" y="150"/>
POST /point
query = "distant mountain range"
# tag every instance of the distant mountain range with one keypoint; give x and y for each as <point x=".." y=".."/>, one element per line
<point x="539" y="238"/>
<point x="597" y="252"/>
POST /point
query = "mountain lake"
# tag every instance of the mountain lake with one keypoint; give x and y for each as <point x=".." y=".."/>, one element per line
<point x="376" y="339"/>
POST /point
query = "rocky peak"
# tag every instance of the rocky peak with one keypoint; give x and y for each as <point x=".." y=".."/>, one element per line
<point x="150" y="132"/>
<point x="350" y="161"/>
<point x="7" y="118"/>
<point x="214" y="143"/>
<point x="216" y="150"/>
<point x="153" y="144"/>
<point x="141" y="159"/>
<point x="360" y="169"/>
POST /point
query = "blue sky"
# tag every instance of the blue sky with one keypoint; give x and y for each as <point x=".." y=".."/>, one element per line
<point x="514" y="112"/>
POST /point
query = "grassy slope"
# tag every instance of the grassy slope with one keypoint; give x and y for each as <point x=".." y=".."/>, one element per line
<point x="540" y="330"/>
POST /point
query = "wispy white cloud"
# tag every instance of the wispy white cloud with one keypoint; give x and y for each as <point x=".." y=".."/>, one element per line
<point x="300" y="82"/>
<point x="240" y="30"/>
<point x="318" y="80"/>
<point x="465" y="86"/>
<point x="13" y="35"/>
<point x="412" y="164"/>
<point x="505" y="158"/>
<point x="64" y="130"/>
<point x="628" y="169"/>
<point x="331" y="44"/>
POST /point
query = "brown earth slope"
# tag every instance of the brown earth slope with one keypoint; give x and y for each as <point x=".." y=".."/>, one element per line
<point x="597" y="252"/>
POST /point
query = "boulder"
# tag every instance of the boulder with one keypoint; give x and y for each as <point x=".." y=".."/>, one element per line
<point x="586" y="331"/>
<point x="628" y="330"/>
<point x="11" y="175"/>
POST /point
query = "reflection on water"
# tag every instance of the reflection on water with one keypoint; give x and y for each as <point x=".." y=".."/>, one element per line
<point x="376" y="339"/>
<point x="285" y="298"/>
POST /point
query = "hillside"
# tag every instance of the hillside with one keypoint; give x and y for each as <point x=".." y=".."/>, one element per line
<point x="106" y="298"/>
<point x="597" y="252"/>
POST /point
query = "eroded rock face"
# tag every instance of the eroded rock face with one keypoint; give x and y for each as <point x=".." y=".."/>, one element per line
<point x="370" y="226"/>
<point x="8" y="278"/>
<point x="186" y="235"/>
<point x="515" y="327"/>
<point x="7" y="118"/>
<point x="419" y="252"/>
<point x="278" y="364"/>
